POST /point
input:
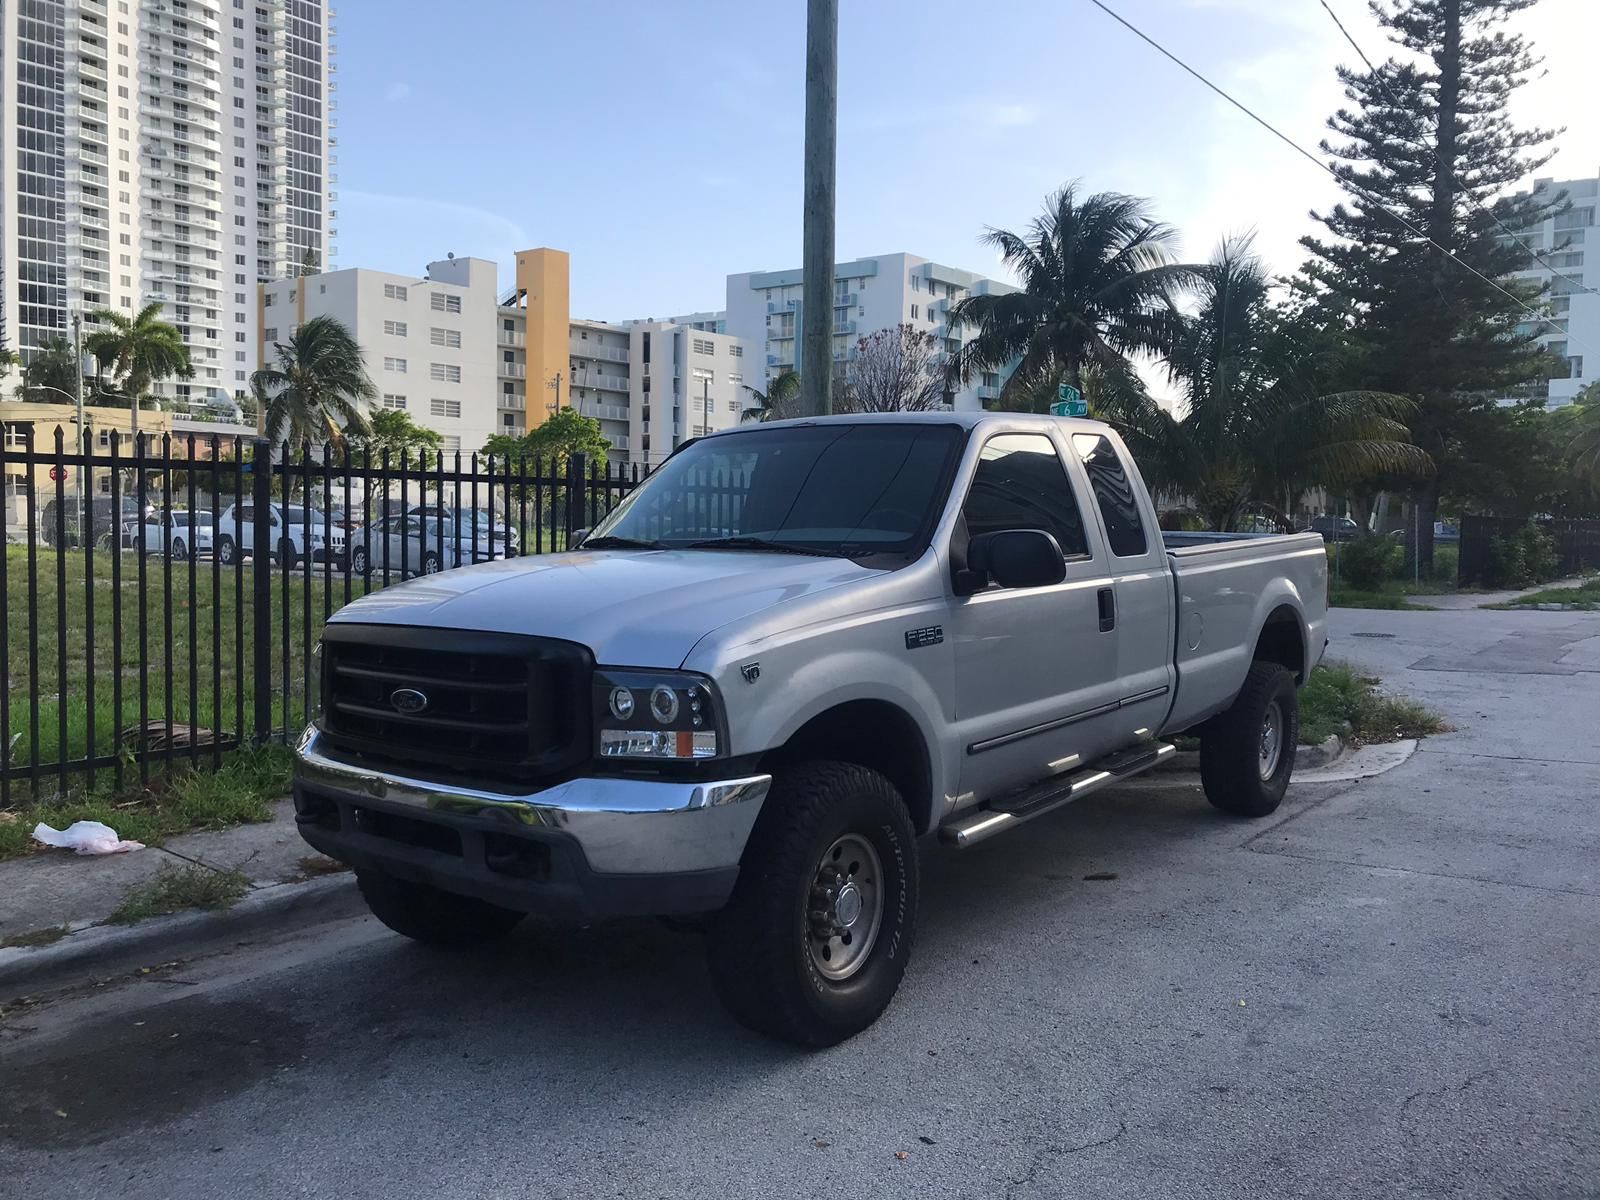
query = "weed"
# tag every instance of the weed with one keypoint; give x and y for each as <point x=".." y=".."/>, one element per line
<point x="1338" y="698"/>
<point x="176" y="888"/>
<point x="35" y="937"/>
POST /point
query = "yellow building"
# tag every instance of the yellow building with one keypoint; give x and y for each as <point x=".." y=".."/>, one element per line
<point x="542" y="335"/>
<point x="22" y="419"/>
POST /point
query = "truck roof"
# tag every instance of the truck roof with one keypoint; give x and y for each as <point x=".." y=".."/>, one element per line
<point x="966" y="419"/>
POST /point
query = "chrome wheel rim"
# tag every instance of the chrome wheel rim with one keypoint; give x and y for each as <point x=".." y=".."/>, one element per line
<point x="845" y="908"/>
<point x="1271" y="740"/>
<point x="430" y="566"/>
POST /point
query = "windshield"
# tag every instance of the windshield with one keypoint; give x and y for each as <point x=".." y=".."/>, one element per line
<point x="837" y="488"/>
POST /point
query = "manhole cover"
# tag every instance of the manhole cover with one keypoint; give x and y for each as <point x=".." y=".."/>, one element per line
<point x="1373" y="635"/>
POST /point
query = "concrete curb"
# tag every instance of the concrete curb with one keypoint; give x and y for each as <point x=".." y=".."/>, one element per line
<point x="1307" y="758"/>
<point x="95" y="949"/>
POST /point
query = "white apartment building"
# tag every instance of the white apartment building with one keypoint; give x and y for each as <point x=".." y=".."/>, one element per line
<point x="430" y="343"/>
<point x="1569" y="265"/>
<point x="869" y="294"/>
<point x="162" y="150"/>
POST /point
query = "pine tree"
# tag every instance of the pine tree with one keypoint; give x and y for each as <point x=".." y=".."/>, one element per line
<point x="1428" y="136"/>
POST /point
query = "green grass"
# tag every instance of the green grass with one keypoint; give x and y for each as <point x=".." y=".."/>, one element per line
<point x="187" y="800"/>
<point x="1586" y="596"/>
<point x="1390" y="597"/>
<point x="35" y="937"/>
<point x="177" y="888"/>
<point x="1340" y="698"/>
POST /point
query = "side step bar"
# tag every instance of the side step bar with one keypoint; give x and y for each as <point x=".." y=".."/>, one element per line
<point x="1010" y="811"/>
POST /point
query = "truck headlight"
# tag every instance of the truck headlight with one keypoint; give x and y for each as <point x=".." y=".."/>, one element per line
<point x="660" y="715"/>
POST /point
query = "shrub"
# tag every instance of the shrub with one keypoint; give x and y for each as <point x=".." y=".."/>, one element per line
<point x="1508" y="563"/>
<point x="1368" y="563"/>
<point x="1539" y="553"/>
<point x="1446" y="561"/>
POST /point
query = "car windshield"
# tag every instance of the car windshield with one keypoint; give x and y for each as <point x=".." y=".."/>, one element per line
<point x="834" y="488"/>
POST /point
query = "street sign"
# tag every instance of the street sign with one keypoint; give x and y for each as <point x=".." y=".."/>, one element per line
<point x="57" y="474"/>
<point x="1070" y="403"/>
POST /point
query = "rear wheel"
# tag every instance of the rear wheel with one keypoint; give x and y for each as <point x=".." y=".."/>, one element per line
<point x="227" y="551"/>
<point x="180" y="549"/>
<point x="430" y="563"/>
<point x="425" y="914"/>
<point x="1247" y="753"/>
<point x="286" y="555"/>
<point x="815" y="939"/>
<point x="358" y="561"/>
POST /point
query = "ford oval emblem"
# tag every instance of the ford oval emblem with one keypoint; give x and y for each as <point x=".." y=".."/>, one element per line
<point x="408" y="700"/>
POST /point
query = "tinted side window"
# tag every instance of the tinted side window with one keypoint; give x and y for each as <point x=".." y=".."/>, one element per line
<point x="1021" y="484"/>
<point x="1113" y="491"/>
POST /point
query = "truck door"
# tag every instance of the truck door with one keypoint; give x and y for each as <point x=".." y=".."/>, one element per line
<point x="1036" y="677"/>
<point x="1142" y="586"/>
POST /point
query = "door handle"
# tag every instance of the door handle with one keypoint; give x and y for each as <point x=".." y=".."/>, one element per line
<point x="1108" y="609"/>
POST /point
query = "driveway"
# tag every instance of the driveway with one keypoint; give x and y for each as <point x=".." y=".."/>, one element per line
<point x="1388" y="989"/>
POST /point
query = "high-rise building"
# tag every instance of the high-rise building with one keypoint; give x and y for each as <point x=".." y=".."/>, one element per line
<point x="171" y="151"/>
<point x="1568" y="265"/>
<point x="869" y="294"/>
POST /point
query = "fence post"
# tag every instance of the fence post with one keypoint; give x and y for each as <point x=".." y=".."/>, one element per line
<point x="261" y="582"/>
<point x="577" y="497"/>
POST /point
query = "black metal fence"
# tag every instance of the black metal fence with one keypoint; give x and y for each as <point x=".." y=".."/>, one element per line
<point x="1577" y="544"/>
<point x="161" y="599"/>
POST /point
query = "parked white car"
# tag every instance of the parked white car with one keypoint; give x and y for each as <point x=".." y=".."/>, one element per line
<point x="415" y="545"/>
<point x="298" y="534"/>
<point x="168" y="532"/>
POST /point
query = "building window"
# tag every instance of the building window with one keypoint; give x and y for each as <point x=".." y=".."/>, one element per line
<point x="272" y="334"/>
<point x="445" y="337"/>
<point x="735" y="376"/>
<point x="452" y="444"/>
<point x="733" y="406"/>
<point x="989" y="379"/>
<point x="914" y="313"/>
<point x="735" y="350"/>
<point x="1576" y="362"/>
<point x="444" y="408"/>
<point x="391" y="400"/>
<point x="702" y="346"/>
<point x="394" y="291"/>
<point x="444" y="372"/>
<point x="444" y="303"/>
<point x="916" y="283"/>
<point x="395" y="328"/>
<point x="395" y="364"/>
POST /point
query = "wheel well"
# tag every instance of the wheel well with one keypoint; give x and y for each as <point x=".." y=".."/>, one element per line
<point x="873" y="734"/>
<point x="1281" y="642"/>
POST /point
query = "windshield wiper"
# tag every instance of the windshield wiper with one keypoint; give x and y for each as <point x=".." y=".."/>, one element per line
<point x="756" y="543"/>
<point x="612" y="542"/>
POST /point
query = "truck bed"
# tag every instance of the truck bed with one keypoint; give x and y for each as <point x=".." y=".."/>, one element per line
<point x="1229" y="586"/>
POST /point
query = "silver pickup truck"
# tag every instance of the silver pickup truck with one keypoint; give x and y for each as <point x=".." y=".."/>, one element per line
<point x="793" y="650"/>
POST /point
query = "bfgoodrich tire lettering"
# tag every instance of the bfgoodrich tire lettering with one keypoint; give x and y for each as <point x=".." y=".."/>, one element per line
<point x="762" y="945"/>
<point x="1247" y="753"/>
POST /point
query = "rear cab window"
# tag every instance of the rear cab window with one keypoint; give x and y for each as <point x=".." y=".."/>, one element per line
<point x="1114" y="493"/>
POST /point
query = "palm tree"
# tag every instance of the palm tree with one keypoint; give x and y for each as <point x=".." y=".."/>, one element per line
<point x="1254" y="432"/>
<point x="780" y="400"/>
<point x="319" y="386"/>
<point x="138" y="350"/>
<point x="1098" y="278"/>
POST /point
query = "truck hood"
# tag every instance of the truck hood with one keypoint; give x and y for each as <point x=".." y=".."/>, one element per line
<point x="630" y="607"/>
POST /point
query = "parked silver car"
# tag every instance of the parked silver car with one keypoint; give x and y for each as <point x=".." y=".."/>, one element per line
<point x="416" y="545"/>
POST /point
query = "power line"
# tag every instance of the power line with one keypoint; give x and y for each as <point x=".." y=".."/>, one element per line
<point x="1370" y="197"/>
<point x="1578" y="284"/>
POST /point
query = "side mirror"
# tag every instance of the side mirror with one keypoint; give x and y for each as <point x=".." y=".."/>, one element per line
<point x="1016" y="558"/>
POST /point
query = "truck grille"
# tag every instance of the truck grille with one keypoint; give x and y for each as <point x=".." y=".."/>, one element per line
<point x="456" y="702"/>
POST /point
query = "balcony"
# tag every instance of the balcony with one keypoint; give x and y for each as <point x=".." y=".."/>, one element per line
<point x="583" y="349"/>
<point x="86" y="134"/>
<point x="195" y="16"/>
<point x="91" y="70"/>
<point x="987" y="391"/>
<point x="515" y="402"/>
<point x="594" y="379"/>
<point x="844" y="327"/>
<point x="85" y="154"/>
<point x="512" y="337"/>
<point x="513" y="370"/>
<point x="607" y="412"/>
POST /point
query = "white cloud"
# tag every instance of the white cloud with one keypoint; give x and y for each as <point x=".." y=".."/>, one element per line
<point x="398" y="90"/>
<point x="376" y="221"/>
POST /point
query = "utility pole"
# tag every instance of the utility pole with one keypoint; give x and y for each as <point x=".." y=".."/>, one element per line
<point x="77" y="388"/>
<point x="705" y="392"/>
<point x="555" y="382"/>
<point x="822" y="104"/>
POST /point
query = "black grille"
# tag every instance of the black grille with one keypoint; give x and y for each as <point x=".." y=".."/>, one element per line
<point x="465" y="702"/>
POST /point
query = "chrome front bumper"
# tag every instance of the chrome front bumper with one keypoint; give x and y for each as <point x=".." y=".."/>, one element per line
<point x="615" y="845"/>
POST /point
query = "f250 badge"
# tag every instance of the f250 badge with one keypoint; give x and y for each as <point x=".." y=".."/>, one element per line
<point x="928" y="635"/>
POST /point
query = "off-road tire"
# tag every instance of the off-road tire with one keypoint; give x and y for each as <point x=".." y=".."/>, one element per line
<point x="759" y="946"/>
<point x="435" y="918"/>
<point x="1231" y="755"/>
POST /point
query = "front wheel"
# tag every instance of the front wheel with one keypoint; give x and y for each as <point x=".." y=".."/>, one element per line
<point x="286" y="555"/>
<point x="815" y="939"/>
<point x="358" y="561"/>
<point x="425" y="914"/>
<point x="180" y="551"/>
<point x="227" y="551"/>
<point x="1247" y="753"/>
<point x="430" y="564"/>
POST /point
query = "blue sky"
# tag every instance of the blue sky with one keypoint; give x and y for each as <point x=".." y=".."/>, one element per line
<point x="661" y="144"/>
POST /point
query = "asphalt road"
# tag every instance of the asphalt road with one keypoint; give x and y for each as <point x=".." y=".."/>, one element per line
<point x="1388" y="989"/>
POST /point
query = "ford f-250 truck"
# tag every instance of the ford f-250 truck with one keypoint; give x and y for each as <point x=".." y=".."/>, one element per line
<point x="791" y="651"/>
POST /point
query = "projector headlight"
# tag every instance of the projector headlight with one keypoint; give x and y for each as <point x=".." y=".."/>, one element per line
<point x="657" y="715"/>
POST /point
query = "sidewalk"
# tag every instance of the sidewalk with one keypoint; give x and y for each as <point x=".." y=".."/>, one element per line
<point x="54" y="888"/>
<point x="1457" y="601"/>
